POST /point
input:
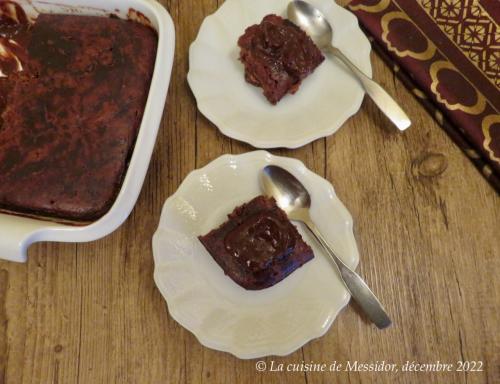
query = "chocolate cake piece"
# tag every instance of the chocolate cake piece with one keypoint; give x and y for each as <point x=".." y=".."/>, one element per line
<point x="258" y="246"/>
<point x="69" y="119"/>
<point x="277" y="56"/>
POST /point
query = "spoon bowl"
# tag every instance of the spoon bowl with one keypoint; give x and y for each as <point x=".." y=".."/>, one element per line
<point x="286" y="189"/>
<point x="312" y="21"/>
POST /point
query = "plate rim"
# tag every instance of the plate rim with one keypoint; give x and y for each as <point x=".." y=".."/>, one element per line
<point x="237" y="350"/>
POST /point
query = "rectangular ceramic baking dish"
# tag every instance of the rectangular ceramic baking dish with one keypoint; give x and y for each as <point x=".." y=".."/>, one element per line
<point x="18" y="233"/>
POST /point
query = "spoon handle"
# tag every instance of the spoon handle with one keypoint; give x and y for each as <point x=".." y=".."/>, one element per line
<point x="355" y="284"/>
<point x="378" y="94"/>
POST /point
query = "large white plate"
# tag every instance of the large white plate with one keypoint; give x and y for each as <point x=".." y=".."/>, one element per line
<point x="221" y="314"/>
<point x="326" y="99"/>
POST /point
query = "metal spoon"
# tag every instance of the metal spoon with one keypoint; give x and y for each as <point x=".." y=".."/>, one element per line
<point x="294" y="199"/>
<point x="314" y="23"/>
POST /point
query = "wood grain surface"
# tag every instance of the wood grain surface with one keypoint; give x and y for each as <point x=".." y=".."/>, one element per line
<point x="426" y="222"/>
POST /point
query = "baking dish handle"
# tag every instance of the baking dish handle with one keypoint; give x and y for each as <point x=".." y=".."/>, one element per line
<point x="16" y="235"/>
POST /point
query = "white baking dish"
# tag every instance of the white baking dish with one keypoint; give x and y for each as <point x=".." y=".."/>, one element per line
<point x="18" y="233"/>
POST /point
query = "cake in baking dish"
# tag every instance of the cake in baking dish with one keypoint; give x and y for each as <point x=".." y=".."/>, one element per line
<point x="72" y="94"/>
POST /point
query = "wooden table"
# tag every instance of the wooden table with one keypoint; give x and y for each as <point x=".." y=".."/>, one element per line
<point x="427" y="224"/>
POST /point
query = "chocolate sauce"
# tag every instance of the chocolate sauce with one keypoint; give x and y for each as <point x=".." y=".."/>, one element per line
<point x="277" y="56"/>
<point x="259" y="240"/>
<point x="12" y="17"/>
<point x="257" y="246"/>
<point x="283" y="47"/>
<point x="13" y="27"/>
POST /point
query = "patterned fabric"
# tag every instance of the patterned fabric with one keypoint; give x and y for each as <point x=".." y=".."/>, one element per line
<point x="472" y="29"/>
<point x="448" y="53"/>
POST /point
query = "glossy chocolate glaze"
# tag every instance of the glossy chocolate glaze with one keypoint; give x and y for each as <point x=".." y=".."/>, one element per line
<point x="259" y="240"/>
<point x="258" y="246"/>
<point x="277" y="55"/>
<point x="70" y="116"/>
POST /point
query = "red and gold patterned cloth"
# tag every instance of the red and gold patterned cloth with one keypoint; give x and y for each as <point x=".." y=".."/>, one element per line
<point x="448" y="53"/>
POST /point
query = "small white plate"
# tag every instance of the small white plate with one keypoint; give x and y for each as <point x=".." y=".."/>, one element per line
<point x="325" y="100"/>
<point x="221" y="314"/>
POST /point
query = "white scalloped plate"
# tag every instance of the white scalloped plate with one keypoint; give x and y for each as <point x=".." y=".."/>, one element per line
<point x="221" y="314"/>
<point x="325" y="100"/>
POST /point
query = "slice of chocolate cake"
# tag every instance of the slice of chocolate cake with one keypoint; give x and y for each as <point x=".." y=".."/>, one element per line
<point x="258" y="246"/>
<point x="277" y="56"/>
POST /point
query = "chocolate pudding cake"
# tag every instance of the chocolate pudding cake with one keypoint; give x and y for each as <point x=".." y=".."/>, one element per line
<point x="72" y="95"/>
<point x="258" y="246"/>
<point x="277" y="56"/>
